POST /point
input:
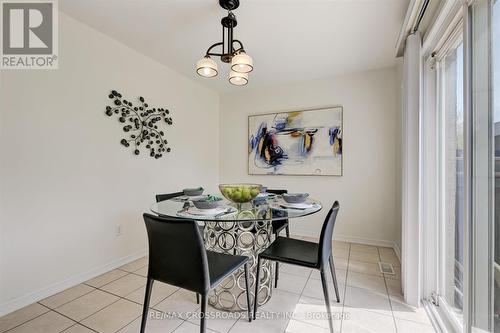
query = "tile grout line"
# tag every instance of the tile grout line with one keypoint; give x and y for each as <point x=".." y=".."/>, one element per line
<point x="232" y="326"/>
<point x="132" y="301"/>
<point x="387" y="292"/>
<point x="24" y="322"/>
<point x="134" y="271"/>
<point x="305" y="322"/>
<point x="118" y="330"/>
<point x="110" y="293"/>
<point x="74" y="321"/>
<point x="345" y="286"/>
<point x="309" y="277"/>
<point x="80" y="321"/>
<point x="93" y="289"/>
<point x="119" y="296"/>
<point x="77" y="323"/>
<point x="93" y="313"/>
<point x="128" y="273"/>
<point x="125" y="297"/>
<point x="300" y="296"/>
<point x="181" y="323"/>
<point x="105" y="291"/>
<point x="151" y="308"/>
<point x="119" y="299"/>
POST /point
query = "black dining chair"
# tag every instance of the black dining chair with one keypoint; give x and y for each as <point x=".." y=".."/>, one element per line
<point x="305" y="254"/>
<point x="167" y="196"/>
<point x="278" y="226"/>
<point x="177" y="256"/>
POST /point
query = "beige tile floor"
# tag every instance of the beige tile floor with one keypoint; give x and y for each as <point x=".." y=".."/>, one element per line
<point x="370" y="302"/>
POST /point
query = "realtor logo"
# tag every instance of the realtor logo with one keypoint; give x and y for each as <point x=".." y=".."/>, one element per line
<point x="29" y="34"/>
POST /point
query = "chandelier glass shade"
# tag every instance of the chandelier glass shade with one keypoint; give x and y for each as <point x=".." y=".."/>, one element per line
<point x="230" y="51"/>
<point x="238" y="79"/>
<point x="242" y="63"/>
<point x="207" y="67"/>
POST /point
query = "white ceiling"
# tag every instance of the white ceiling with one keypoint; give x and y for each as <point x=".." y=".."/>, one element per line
<point x="289" y="40"/>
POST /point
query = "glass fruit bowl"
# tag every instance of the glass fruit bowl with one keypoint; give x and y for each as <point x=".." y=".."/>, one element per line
<point x="240" y="193"/>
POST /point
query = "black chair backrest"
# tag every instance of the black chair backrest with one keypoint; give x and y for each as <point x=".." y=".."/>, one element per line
<point x="325" y="239"/>
<point x="177" y="254"/>
<point x="278" y="213"/>
<point x="277" y="191"/>
<point x="166" y="196"/>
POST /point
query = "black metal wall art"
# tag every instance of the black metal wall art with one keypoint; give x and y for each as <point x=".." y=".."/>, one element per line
<point x="143" y="123"/>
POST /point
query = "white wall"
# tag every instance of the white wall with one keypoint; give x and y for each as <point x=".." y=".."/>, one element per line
<point x="367" y="190"/>
<point x="66" y="181"/>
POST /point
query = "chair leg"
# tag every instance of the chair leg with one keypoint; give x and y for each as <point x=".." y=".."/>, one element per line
<point x="324" y="283"/>
<point x="276" y="275"/>
<point x="249" y="306"/>
<point x="287" y="230"/>
<point x="197" y="298"/>
<point x="145" y="308"/>
<point x="334" y="277"/>
<point x="203" y="314"/>
<point x="257" y="283"/>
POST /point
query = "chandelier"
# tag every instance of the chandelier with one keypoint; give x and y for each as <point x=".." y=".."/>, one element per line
<point x="241" y="63"/>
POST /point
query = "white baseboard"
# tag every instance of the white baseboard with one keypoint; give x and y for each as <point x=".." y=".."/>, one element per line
<point x="357" y="240"/>
<point x="364" y="241"/>
<point x="57" y="287"/>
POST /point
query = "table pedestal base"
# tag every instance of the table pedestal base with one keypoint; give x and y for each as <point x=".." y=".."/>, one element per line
<point x="240" y="238"/>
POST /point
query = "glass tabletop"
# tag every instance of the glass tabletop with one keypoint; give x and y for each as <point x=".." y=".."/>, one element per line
<point x="269" y="209"/>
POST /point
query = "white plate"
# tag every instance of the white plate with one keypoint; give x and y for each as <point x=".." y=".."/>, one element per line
<point x="302" y="205"/>
<point x="265" y="195"/>
<point x="193" y="211"/>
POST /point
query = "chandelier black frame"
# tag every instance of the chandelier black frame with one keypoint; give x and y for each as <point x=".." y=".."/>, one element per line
<point x="241" y="63"/>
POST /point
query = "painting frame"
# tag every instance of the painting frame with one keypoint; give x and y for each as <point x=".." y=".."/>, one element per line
<point x="293" y="110"/>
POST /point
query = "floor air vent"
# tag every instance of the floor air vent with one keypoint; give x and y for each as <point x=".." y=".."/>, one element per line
<point x="386" y="268"/>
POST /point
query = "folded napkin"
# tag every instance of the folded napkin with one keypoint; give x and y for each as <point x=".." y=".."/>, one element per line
<point x="187" y="198"/>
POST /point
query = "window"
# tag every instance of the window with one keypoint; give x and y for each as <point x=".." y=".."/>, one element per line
<point x="451" y="240"/>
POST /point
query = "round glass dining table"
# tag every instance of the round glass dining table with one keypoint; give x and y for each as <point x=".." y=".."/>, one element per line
<point x="239" y="229"/>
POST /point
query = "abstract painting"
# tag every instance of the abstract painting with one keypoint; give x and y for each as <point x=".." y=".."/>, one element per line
<point x="305" y="142"/>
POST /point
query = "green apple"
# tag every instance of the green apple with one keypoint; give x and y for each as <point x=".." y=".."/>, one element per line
<point x="236" y="196"/>
<point x="255" y="192"/>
